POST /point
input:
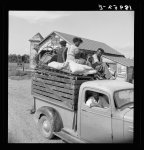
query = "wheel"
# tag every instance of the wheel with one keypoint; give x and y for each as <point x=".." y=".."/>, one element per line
<point x="46" y="127"/>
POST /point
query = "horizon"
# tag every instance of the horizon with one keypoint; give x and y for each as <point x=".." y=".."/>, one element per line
<point x="113" y="28"/>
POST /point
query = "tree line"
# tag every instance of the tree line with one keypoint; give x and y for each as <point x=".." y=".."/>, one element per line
<point x="13" y="58"/>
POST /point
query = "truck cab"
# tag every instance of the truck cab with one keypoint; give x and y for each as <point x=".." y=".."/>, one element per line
<point x="113" y="123"/>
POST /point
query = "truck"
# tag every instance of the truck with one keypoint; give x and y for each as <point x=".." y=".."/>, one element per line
<point x="59" y="99"/>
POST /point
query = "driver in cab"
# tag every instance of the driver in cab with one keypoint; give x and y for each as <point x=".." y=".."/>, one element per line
<point x="97" y="101"/>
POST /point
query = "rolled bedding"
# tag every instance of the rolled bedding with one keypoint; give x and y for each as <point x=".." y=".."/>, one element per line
<point x="73" y="67"/>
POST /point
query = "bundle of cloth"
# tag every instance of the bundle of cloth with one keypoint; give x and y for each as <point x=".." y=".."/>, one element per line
<point x="73" y="67"/>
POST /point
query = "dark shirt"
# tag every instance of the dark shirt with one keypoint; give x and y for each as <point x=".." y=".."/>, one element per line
<point x="97" y="64"/>
<point x="61" y="55"/>
<point x="64" y="54"/>
<point x="54" y="58"/>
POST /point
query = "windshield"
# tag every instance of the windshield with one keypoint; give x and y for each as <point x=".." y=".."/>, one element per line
<point x="123" y="97"/>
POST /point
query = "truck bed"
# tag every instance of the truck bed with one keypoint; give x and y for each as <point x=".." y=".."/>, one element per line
<point x="57" y="86"/>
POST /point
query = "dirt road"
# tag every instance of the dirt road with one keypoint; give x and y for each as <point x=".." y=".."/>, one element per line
<point x="21" y="125"/>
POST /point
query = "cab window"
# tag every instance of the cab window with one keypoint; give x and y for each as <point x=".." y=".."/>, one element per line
<point x="124" y="98"/>
<point x="96" y="99"/>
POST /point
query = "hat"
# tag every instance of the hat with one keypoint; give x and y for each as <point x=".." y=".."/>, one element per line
<point x="100" y="49"/>
<point x="77" y="39"/>
<point x="63" y="43"/>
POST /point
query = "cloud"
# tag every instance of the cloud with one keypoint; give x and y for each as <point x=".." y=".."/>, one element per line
<point x="39" y="16"/>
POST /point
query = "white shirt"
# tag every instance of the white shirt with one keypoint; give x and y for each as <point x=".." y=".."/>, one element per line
<point x="90" y="101"/>
<point x="102" y="102"/>
<point x="72" y="50"/>
<point x="95" y="58"/>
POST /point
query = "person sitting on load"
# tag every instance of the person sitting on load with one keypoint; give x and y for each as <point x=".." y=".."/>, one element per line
<point x="73" y="52"/>
<point x="97" y="63"/>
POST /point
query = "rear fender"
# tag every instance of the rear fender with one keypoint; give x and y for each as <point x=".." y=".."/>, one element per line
<point x="52" y="114"/>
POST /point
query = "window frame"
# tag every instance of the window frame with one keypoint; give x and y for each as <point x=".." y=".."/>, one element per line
<point x="115" y="102"/>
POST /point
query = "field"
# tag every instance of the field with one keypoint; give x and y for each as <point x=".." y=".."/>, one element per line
<point x="15" y="71"/>
<point x="21" y="125"/>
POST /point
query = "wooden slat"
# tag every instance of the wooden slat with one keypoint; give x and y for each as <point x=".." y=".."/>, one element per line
<point x="73" y="101"/>
<point x="62" y="74"/>
<point x="73" y="82"/>
<point x="45" y="98"/>
<point x="57" y="88"/>
<point x="59" y="84"/>
<point x="43" y="92"/>
<point x="45" y="95"/>
<point x="60" y="94"/>
<point x="47" y="68"/>
<point x="57" y="74"/>
<point x="53" y="78"/>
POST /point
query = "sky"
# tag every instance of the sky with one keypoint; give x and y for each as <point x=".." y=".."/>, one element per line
<point x="114" y="28"/>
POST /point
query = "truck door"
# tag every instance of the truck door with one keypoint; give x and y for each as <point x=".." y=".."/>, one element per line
<point x="95" y="122"/>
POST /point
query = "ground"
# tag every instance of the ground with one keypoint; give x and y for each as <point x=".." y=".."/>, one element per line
<point x="21" y="125"/>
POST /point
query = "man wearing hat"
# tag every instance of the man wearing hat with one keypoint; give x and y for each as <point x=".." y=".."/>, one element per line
<point x="73" y="51"/>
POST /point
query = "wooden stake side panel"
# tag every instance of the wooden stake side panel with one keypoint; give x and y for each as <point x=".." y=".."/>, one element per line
<point x="57" y="86"/>
<point x="51" y="94"/>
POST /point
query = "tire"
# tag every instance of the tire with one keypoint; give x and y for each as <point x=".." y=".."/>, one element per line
<point x="46" y="127"/>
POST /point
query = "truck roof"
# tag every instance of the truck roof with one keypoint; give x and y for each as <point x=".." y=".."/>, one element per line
<point x="108" y="85"/>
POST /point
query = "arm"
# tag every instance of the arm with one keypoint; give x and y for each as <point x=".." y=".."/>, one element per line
<point x="94" y="104"/>
<point x="90" y="102"/>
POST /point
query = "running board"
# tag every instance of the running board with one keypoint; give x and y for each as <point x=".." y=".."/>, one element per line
<point x="67" y="137"/>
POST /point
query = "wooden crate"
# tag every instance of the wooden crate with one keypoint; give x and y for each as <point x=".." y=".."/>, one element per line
<point x="56" y="85"/>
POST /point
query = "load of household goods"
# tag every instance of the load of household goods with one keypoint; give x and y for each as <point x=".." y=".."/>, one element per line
<point x="67" y="66"/>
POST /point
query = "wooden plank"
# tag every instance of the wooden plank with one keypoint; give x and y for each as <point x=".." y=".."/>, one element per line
<point x="54" y="73"/>
<point x="58" y="88"/>
<point x="58" y="94"/>
<point x="52" y="95"/>
<point x="68" y="76"/>
<point x="63" y="85"/>
<point x="43" y="94"/>
<point x="74" y="102"/>
<point x="53" y="78"/>
<point x="72" y="82"/>
<point x="66" y="104"/>
<point x="49" y="92"/>
<point x="61" y="73"/>
<point x="59" y="84"/>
